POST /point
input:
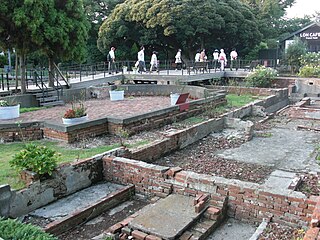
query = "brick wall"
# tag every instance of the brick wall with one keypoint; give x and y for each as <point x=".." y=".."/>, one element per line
<point x="174" y="140"/>
<point x="246" y="201"/>
<point x="313" y="233"/>
<point x="14" y="133"/>
<point x="76" y="134"/>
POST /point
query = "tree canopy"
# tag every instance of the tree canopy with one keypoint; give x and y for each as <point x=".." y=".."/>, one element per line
<point x="187" y="24"/>
<point x="58" y="28"/>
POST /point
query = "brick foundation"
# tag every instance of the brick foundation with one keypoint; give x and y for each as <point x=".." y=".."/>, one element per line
<point x="246" y="201"/>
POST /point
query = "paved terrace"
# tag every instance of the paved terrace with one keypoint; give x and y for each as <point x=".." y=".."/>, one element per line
<point x="99" y="108"/>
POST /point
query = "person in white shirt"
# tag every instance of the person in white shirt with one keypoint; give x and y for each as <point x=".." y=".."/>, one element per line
<point x="197" y="56"/>
<point x="111" y="58"/>
<point x="142" y="65"/>
<point x="153" y="61"/>
<point x="222" y="59"/>
<point x="215" y="59"/>
<point x="178" y="60"/>
<point x="233" y="57"/>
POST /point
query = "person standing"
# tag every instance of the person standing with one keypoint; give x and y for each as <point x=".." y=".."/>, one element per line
<point x="153" y="61"/>
<point x="178" y="60"/>
<point x="215" y="59"/>
<point x="233" y="57"/>
<point x="197" y="56"/>
<point x="142" y="65"/>
<point x="111" y="58"/>
<point x="203" y="56"/>
<point x="222" y="59"/>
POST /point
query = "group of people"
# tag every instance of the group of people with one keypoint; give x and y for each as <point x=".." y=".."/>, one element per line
<point x="218" y="58"/>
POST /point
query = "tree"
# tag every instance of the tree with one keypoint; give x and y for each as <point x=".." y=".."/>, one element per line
<point x="97" y="11"/>
<point x="294" y="53"/>
<point x="56" y="27"/>
<point x="172" y="24"/>
<point x="268" y="13"/>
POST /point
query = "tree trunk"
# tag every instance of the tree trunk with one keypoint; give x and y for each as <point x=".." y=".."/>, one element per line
<point x="17" y="71"/>
<point x="51" y="72"/>
<point x="23" y="72"/>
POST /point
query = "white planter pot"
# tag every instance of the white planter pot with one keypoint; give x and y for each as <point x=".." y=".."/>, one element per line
<point x="174" y="98"/>
<point x="70" y="121"/>
<point x="116" y="95"/>
<point x="10" y="112"/>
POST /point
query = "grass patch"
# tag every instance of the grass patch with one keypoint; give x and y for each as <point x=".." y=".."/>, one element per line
<point x="9" y="176"/>
<point x="235" y="100"/>
<point x="31" y="109"/>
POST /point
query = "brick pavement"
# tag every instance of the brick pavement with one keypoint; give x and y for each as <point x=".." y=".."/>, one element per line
<point x="99" y="108"/>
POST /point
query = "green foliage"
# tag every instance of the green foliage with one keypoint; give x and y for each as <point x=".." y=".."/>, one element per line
<point x="254" y="53"/>
<point x="294" y="53"/>
<point x="3" y="60"/>
<point x="309" y="71"/>
<point x="35" y="158"/>
<point x="310" y="65"/>
<point x="14" y="229"/>
<point x="261" y="77"/>
<point x="172" y="24"/>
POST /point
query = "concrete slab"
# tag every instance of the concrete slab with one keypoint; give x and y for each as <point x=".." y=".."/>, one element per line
<point x="280" y="180"/>
<point x="233" y="229"/>
<point x="76" y="201"/>
<point x="284" y="148"/>
<point x="167" y="218"/>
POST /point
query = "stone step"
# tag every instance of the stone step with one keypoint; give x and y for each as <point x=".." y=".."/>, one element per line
<point x="47" y="99"/>
<point x="52" y="104"/>
<point x="201" y="230"/>
<point x="174" y="217"/>
<point x="77" y="208"/>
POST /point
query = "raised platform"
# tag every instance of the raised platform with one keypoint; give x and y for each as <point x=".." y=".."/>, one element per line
<point x="167" y="218"/>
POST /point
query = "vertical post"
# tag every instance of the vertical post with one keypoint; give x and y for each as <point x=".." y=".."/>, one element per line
<point x="8" y="85"/>
<point x="80" y="71"/>
<point x="2" y="82"/>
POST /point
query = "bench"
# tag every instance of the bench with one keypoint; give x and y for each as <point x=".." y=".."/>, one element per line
<point x="252" y="65"/>
<point x="198" y="66"/>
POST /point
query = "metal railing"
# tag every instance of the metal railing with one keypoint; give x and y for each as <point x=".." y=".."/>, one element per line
<point x="79" y="72"/>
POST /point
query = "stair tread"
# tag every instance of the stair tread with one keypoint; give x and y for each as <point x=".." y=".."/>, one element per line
<point x="54" y="103"/>
<point x="48" y="99"/>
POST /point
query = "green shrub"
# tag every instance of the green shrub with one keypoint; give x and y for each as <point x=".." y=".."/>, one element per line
<point x="12" y="229"/>
<point x="308" y="71"/>
<point x="38" y="159"/>
<point x="310" y="65"/>
<point x="261" y="77"/>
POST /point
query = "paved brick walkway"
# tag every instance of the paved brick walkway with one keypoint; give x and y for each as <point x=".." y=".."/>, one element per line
<point x="99" y="108"/>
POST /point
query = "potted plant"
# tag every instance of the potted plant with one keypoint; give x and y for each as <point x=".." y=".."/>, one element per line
<point x="9" y="110"/>
<point x="116" y="94"/>
<point x="76" y="114"/>
<point x="34" y="162"/>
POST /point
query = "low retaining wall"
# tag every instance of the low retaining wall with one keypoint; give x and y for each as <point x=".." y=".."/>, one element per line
<point x="246" y="201"/>
<point x="22" y="131"/>
<point x="175" y="140"/>
<point x="67" y="179"/>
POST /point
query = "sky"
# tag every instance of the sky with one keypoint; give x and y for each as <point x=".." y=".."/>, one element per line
<point x="303" y="7"/>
